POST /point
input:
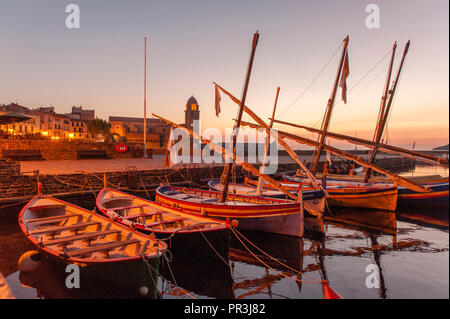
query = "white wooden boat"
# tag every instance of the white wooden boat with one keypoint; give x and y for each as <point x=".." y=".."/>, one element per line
<point x="64" y="232"/>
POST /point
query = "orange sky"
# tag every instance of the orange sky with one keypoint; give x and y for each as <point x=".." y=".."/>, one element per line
<point x="193" y="43"/>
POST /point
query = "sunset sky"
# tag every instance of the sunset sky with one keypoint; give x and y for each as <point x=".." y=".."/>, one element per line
<point x="192" y="43"/>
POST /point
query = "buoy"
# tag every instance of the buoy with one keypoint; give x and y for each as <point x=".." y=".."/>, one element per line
<point x="234" y="223"/>
<point x="29" y="261"/>
<point x="330" y="293"/>
<point x="143" y="291"/>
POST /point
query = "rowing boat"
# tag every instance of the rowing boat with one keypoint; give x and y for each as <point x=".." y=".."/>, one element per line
<point x="184" y="232"/>
<point x="353" y="194"/>
<point x="66" y="233"/>
<point x="252" y="212"/>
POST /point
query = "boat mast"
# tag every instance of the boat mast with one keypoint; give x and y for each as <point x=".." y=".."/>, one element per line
<point x="266" y="150"/>
<point x="385" y="115"/>
<point x="229" y="166"/>
<point x="385" y="95"/>
<point x="145" y="97"/>
<point x="326" y="121"/>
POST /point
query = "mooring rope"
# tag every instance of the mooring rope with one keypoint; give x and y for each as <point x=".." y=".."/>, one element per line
<point x="273" y="269"/>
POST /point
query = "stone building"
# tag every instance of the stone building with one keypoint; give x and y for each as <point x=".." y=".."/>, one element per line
<point x="132" y="130"/>
<point x="192" y="112"/>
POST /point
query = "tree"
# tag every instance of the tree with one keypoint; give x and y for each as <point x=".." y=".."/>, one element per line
<point x="99" y="126"/>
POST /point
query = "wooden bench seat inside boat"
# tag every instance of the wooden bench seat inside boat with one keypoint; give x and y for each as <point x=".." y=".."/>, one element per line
<point x="143" y="215"/>
<point x="166" y="222"/>
<point x="52" y="219"/>
<point x="58" y="229"/>
<point x="48" y="206"/>
<point x="86" y="236"/>
<point x="111" y="199"/>
<point x="106" y="248"/>
<point x="129" y="207"/>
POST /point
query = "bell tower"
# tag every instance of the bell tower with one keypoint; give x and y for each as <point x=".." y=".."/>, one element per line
<point x="191" y="113"/>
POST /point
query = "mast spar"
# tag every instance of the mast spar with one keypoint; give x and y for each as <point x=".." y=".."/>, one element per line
<point x="229" y="166"/>
<point x="384" y="116"/>
<point x="326" y="121"/>
<point x="266" y="150"/>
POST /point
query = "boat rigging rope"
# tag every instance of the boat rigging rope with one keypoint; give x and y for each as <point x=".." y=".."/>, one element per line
<point x="312" y="82"/>
<point x="14" y="204"/>
<point x="237" y="233"/>
<point x="359" y="82"/>
<point x="150" y="268"/>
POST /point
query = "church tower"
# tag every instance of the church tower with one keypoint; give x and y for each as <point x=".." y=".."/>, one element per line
<point x="191" y="113"/>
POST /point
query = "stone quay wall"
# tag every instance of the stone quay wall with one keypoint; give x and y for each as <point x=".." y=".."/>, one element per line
<point x="67" y="150"/>
<point x="14" y="187"/>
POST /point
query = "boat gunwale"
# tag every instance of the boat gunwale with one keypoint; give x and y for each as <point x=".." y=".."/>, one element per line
<point x="279" y="203"/>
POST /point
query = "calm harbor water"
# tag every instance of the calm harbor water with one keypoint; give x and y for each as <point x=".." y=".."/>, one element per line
<point x="411" y="255"/>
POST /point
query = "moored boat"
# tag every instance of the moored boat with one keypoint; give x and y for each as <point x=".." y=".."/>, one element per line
<point x="313" y="197"/>
<point x="253" y="213"/>
<point x="66" y="233"/>
<point x="354" y="194"/>
<point x="184" y="232"/>
<point x="438" y="197"/>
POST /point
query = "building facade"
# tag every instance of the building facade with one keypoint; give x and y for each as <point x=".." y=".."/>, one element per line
<point x="31" y="126"/>
<point x="131" y="129"/>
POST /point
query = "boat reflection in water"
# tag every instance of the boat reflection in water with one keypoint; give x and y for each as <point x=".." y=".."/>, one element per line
<point x="49" y="280"/>
<point x="269" y="254"/>
<point x="371" y="226"/>
<point x="205" y="277"/>
<point x="434" y="218"/>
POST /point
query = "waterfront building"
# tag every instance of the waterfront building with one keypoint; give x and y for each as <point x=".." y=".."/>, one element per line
<point x="131" y="129"/>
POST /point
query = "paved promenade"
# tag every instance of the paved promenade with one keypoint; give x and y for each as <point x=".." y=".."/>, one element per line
<point x="116" y="165"/>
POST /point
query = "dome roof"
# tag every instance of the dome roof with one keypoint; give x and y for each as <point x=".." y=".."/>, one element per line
<point x="192" y="100"/>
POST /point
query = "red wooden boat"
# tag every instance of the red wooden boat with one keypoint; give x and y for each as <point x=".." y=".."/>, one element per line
<point x="253" y="213"/>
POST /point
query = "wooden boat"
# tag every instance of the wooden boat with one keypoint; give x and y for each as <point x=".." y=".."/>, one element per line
<point x="438" y="197"/>
<point x="315" y="198"/>
<point x="64" y="232"/>
<point x="253" y="213"/>
<point x="353" y="194"/>
<point x="185" y="232"/>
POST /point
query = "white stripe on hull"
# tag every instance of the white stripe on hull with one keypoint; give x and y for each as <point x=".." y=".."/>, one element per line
<point x="290" y="225"/>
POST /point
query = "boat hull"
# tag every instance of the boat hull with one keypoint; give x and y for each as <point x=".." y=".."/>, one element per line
<point x="373" y="199"/>
<point x="129" y="276"/>
<point x="41" y="220"/>
<point x="355" y="195"/>
<point x="438" y="198"/>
